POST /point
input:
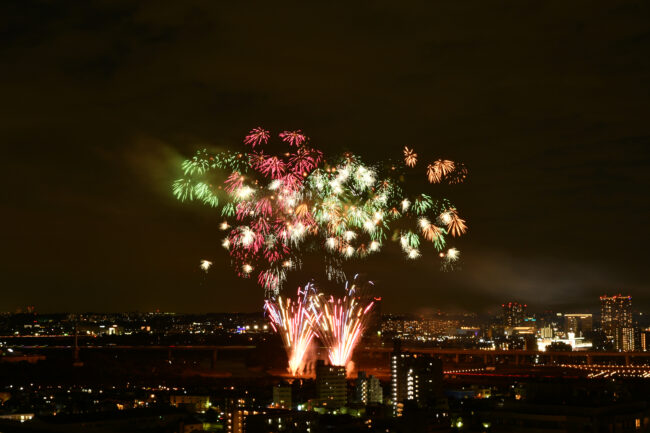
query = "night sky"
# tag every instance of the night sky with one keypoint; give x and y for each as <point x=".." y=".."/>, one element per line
<point x="547" y="103"/>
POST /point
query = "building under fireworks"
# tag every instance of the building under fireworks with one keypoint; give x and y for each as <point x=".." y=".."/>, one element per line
<point x="415" y="377"/>
<point x="331" y="385"/>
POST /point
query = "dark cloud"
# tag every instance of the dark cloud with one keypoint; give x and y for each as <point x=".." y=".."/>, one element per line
<point x="547" y="103"/>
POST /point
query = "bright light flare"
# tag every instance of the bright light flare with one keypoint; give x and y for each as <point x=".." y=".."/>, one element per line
<point x="244" y="192"/>
<point x="349" y="235"/>
<point x="331" y="243"/>
<point x="413" y="254"/>
<point x="205" y="265"/>
<point x="246" y="236"/>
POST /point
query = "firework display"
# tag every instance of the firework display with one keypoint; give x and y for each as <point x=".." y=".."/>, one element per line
<point x="205" y="265"/>
<point x="276" y="206"/>
<point x="293" y="321"/>
<point x="450" y="259"/>
<point x="340" y="322"/>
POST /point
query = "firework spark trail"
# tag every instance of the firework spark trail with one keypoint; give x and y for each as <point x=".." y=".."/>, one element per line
<point x="340" y="325"/>
<point x="292" y="320"/>
<point x="340" y="322"/>
<point x="281" y="205"/>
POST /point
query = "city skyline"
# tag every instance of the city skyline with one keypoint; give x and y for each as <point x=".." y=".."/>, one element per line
<point x="592" y="306"/>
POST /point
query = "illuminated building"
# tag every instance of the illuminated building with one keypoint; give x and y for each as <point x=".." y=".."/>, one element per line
<point x="331" y="386"/>
<point x="576" y="343"/>
<point x="416" y="377"/>
<point x="579" y="324"/>
<point x="644" y="338"/>
<point x="624" y="339"/>
<point x="282" y="396"/>
<point x="513" y="314"/>
<point x="281" y="420"/>
<point x="546" y="332"/>
<point x="238" y="419"/>
<point x="616" y="321"/>
<point x="368" y="389"/>
<point x="194" y="403"/>
<point x="392" y="324"/>
<point x="419" y="328"/>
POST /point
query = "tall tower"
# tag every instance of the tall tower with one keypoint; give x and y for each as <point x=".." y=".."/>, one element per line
<point x="616" y="320"/>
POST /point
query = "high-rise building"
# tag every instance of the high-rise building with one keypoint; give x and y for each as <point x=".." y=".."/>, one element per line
<point x="513" y="314"/>
<point x="546" y="332"/>
<point x="331" y="386"/>
<point x="416" y="377"/>
<point x="282" y="396"/>
<point x="368" y="389"/>
<point x="579" y="324"/>
<point x="236" y="413"/>
<point x="616" y="321"/>
<point x="624" y="339"/>
<point x="644" y="339"/>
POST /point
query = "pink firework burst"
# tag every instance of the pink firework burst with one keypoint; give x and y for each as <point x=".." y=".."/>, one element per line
<point x="276" y="252"/>
<point x="243" y="210"/>
<point x="234" y="182"/>
<point x="294" y="138"/>
<point x="261" y="225"/>
<point x="304" y="160"/>
<point x="273" y="167"/>
<point x="268" y="280"/>
<point x="263" y="207"/>
<point x="257" y="136"/>
<point x="291" y="182"/>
